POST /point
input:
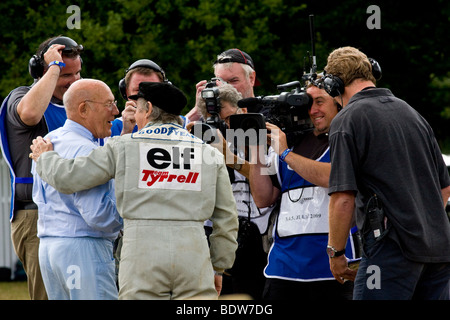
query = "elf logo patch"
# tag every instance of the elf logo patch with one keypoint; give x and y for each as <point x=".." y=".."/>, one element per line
<point x="171" y="167"/>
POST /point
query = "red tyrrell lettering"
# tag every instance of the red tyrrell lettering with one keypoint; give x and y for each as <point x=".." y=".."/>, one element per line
<point x="160" y="176"/>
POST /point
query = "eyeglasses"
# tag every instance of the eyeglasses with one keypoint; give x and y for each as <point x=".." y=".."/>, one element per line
<point x="108" y="105"/>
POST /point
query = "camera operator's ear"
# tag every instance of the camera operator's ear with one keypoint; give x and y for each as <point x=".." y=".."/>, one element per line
<point x="252" y="78"/>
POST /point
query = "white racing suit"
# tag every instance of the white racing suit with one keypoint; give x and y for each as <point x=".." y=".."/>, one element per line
<point x="167" y="182"/>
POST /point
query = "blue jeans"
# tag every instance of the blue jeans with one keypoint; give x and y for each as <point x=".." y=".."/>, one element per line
<point x="78" y="268"/>
<point x="385" y="274"/>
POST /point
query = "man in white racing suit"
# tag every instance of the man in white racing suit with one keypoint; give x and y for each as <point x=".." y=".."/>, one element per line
<point x="168" y="182"/>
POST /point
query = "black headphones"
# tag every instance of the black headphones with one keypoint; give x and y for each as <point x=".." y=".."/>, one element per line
<point x="36" y="63"/>
<point x="376" y="69"/>
<point x="334" y="85"/>
<point x="142" y="63"/>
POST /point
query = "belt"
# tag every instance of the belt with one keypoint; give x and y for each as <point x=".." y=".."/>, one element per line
<point x="25" y="205"/>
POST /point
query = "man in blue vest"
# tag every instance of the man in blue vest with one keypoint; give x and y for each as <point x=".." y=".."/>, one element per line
<point x="297" y="267"/>
<point x="28" y="112"/>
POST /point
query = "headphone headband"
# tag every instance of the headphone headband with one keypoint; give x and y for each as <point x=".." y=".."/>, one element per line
<point x="141" y="63"/>
<point x="334" y="85"/>
<point x="70" y="45"/>
<point x="146" y="63"/>
<point x="36" y="65"/>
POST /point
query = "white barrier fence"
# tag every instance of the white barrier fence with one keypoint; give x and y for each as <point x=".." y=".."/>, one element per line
<point x="8" y="257"/>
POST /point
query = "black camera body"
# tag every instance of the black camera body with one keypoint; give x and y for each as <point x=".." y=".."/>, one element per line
<point x="206" y="130"/>
<point x="288" y="110"/>
<point x="211" y="96"/>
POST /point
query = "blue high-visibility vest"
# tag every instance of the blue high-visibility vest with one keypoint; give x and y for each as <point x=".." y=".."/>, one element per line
<point x="55" y="116"/>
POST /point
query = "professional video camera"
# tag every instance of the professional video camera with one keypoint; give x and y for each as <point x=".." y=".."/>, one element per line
<point x="288" y="110"/>
<point x="206" y="130"/>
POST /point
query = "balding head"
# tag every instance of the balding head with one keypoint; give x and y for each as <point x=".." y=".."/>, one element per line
<point x="90" y="103"/>
<point x="82" y="90"/>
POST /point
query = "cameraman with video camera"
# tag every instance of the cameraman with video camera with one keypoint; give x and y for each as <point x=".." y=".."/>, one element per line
<point x="297" y="266"/>
<point x="219" y="102"/>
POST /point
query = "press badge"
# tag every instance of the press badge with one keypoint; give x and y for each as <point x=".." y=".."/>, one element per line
<point x="303" y="211"/>
<point x="171" y="167"/>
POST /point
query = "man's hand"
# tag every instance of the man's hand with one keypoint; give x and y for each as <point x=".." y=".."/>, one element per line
<point x="276" y="138"/>
<point x="40" y="146"/>
<point x="128" y="118"/>
<point x="218" y="283"/>
<point x="340" y="270"/>
<point x="194" y="114"/>
<point x="54" y="53"/>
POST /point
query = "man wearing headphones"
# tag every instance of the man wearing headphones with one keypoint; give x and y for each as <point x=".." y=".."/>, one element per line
<point x="297" y="267"/>
<point x="388" y="168"/>
<point x="142" y="70"/>
<point x="28" y="112"/>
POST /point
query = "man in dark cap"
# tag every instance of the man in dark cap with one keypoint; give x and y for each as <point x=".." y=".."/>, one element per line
<point x="168" y="182"/>
<point x="235" y="67"/>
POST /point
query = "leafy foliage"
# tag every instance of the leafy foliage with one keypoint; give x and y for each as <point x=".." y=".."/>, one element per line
<point x="185" y="36"/>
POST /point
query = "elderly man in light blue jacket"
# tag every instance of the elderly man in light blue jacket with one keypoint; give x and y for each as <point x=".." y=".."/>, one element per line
<point x="77" y="230"/>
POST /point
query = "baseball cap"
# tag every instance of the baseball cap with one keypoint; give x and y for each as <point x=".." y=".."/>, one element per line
<point x="163" y="95"/>
<point x="235" y="55"/>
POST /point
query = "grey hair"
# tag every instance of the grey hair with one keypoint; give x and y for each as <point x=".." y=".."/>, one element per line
<point x="247" y="69"/>
<point x="227" y="93"/>
<point x="159" y="115"/>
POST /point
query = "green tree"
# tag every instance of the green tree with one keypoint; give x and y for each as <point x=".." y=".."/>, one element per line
<point x="185" y="36"/>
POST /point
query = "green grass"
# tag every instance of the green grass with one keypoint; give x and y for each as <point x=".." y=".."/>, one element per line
<point x="14" y="290"/>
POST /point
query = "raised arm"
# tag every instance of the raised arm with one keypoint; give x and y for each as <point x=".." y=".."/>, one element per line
<point x="33" y="105"/>
<point x="263" y="191"/>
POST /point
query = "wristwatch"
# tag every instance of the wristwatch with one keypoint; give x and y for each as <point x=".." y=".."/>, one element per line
<point x="237" y="166"/>
<point x="332" y="252"/>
